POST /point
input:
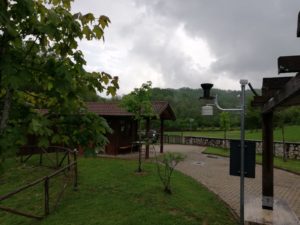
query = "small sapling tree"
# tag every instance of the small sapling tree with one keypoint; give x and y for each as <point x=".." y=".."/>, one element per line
<point x="138" y="102"/>
<point x="165" y="168"/>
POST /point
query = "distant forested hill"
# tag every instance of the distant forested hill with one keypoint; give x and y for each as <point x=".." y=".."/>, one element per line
<point x="187" y="106"/>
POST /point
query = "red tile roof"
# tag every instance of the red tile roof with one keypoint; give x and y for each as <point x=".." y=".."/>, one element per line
<point x="161" y="108"/>
<point x="107" y="109"/>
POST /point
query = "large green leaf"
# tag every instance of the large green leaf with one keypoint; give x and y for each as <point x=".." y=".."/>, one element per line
<point x="42" y="67"/>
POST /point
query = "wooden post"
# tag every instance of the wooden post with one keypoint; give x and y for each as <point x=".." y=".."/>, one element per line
<point x="56" y="157"/>
<point x="147" y="137"/>
<point x="267" y="162"/>
<point x="41" y="158"/>
<point x="69" y="159"/>
<point x="161" y="135"/>
<point x="140" y="157"/>
<point x="46" y="186"/>
<point x="75" y="171"/>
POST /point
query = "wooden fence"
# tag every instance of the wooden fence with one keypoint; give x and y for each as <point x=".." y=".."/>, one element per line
<point x="71" y="167"/>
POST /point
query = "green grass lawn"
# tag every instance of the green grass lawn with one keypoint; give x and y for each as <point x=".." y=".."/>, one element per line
<point x="111" y="193"/>
<point x="292" y="134"/>
<point x="291" y="164"/>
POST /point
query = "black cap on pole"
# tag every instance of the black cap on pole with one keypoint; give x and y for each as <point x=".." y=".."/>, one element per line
<point x="206" y="90"/>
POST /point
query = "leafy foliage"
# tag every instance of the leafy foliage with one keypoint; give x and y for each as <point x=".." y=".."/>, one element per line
<point x="87" y="131"/>
<point x="169" y="161"/>
<point x="253" y="117"/>
<point x="138" y="102"/>
<point x="42" y="67"/>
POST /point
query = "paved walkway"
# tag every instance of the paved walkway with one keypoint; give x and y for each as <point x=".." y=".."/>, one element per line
<point x="213" y="172"/>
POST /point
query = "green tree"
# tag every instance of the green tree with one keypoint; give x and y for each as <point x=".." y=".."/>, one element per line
<point x="42" y="67"/>
<point x="225" y="124"/>
<point x="253" y="117"/>
<point x="138" y="102"/>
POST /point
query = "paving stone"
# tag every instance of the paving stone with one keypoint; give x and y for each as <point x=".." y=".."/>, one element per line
<point x="214" y="174"/>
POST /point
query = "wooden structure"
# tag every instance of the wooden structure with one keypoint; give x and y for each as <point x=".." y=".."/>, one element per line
<point x="276" y="93"/>
<point x="125" y="127"/>
<point x="69" y="168"/>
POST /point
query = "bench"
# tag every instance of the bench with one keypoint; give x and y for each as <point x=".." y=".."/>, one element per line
<point x="125" y="147"/>
<point x="131" y="147"/>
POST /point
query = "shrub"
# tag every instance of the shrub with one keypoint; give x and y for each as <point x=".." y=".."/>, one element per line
<point x="166" y="166"/>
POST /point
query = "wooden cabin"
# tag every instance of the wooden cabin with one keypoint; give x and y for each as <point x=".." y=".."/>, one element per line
<point x="124" y="126"/>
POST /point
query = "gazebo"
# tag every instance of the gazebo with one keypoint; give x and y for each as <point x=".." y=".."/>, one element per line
<point x="125" y="127"/>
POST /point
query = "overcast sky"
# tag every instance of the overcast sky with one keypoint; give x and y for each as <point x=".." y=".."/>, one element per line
<point x="182" y="43"/>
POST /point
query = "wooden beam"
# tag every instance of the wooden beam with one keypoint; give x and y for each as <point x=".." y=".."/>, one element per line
<point x="290" y="91"/>
<point x="161" y="135"/>
<point x="288" y="64"/>
<point x="271" y="85"/>
<point x="292" y="101"/>
<point x="267" y="161"/>
<point x="259" y="101"/>
<point x="26" y="214"/>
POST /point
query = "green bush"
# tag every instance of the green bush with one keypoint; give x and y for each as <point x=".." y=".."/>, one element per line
<point x="169" y="162"/>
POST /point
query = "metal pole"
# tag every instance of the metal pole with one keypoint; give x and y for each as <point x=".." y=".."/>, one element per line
<point x="242" y="177"/>
<point x="242" y="170"/>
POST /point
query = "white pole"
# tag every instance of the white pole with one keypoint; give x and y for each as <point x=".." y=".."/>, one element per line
<point x="242" y="177"/>
<point x="208" y="111"/>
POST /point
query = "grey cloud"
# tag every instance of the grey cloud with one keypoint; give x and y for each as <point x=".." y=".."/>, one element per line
<point x="245" y="36"/>
<point x="166" y="59"/>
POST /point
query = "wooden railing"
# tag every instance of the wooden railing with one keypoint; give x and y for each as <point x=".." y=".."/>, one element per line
<point x="45" y="180"/>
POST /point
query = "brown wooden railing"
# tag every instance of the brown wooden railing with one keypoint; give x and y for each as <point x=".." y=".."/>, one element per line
<point x="45" y="180"/>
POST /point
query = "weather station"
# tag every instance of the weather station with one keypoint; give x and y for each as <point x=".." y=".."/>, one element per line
<point x="241" y="164"/>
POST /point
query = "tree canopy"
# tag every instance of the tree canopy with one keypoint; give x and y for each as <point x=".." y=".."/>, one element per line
<point x="138" y="101"/>
<point x="41" y="66"/>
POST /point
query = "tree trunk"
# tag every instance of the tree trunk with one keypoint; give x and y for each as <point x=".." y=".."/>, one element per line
<point x="283" y="145"/>
<point x="5" y="111"/>
<point x="7" y="99"/>
<point x="139" y="147"/>
<point x="168" y="190"/>
<point x="225" y="138"/>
